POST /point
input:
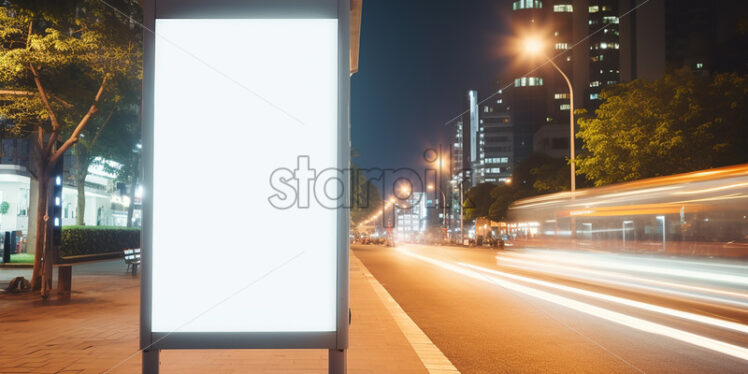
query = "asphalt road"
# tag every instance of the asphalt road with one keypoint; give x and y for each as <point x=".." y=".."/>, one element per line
<point x="493" y="311"/>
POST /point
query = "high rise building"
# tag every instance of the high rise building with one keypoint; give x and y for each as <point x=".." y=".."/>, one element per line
<point x="662" y="35"/>
<point x="595" y="49"/>
<point x="495" y="143"/>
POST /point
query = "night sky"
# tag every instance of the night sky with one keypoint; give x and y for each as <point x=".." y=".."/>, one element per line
<point x="417" y="59"/>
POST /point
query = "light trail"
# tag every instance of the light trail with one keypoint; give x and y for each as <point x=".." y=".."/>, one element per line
<point x="576" y="259"/>
<point x="609" y="315"/>
<point x="619" y="300"/>
<point x="572" y="271"/>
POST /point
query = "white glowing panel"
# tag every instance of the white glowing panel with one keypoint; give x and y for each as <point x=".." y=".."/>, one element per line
<point x="234" y="101"/>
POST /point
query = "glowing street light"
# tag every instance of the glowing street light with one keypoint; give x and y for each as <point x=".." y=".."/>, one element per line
<point x="533" y="46"/>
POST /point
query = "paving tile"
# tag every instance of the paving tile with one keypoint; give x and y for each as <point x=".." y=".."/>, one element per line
<point x="98" y="331"/>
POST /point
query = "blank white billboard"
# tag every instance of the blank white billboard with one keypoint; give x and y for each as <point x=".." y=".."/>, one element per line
<point x="235" y="100"/>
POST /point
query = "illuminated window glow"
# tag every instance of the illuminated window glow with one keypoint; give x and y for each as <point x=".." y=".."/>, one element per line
<point x="527" y="4"/>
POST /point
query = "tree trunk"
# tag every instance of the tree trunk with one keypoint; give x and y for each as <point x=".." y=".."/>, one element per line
<point x="131" y="207"/>
<point x="133" y="186"/>
<point x="80" y="184"/>
<point x="41" y="226"/>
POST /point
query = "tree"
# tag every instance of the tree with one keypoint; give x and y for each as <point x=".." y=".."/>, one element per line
<point x="537" y="174"/>
<point x="477" y="201"/>
<point x="680" y="123"/>
<point x="60" y="62"/>
<point x="111" y="137"/>
<point x="541" y="173"/>
<point x="365" y="195"/>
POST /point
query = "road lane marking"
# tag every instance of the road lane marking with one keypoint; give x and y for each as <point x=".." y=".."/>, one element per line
<point x="432" y="358"/>
<point x="609" y="315"/>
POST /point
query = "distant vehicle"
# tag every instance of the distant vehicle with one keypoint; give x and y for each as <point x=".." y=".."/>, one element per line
<point x="703" y="213"/>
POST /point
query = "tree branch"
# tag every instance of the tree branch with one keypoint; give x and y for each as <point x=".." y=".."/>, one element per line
<point x="81" y="125"/>
<point x="43" y="94"/>
<point x="28" y="38"/>
<point x="29" y="93"/>
<point x="16" y="93"/>
<point x="103" y="125"/>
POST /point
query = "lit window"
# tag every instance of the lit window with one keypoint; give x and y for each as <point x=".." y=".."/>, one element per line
<point x="564" y="107"/>
<point x="562" y="46"/>
<point x="562" y="8"/>
<point x="527" y="4"/>
<point x="594" y="8"/>
<point x="560" y="96"/>
<point x="595" y="84"/>
<point x="499" y="101"/>
<point x="699" y="65"/>
<point x="525" y="81"/>
<point x="594" y="96"/>
<point x="610" y="83"/>
<point x="610" y="19"/>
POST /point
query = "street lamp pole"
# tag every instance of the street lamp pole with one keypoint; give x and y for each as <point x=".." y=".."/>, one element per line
<point x="571" y="128"/>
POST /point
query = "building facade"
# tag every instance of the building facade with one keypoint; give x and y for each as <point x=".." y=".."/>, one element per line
<point x="106" y="204"/>
<point x="411" y="216"/>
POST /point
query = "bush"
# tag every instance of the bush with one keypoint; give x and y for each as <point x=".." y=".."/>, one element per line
<point x="91" y="240"/>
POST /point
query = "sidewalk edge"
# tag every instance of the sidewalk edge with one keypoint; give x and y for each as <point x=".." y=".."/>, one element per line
<point x="432" y="358"/>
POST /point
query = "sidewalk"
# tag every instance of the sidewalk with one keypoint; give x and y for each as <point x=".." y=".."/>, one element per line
<point x="98" y="329"/>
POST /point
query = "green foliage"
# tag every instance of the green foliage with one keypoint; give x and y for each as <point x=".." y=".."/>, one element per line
<point x="4" y="206"/>
<point x="73" y="45"/>
<point x="365" y="196"/>
<point x="477" y="200"/>
<point x="22" y="258"/>
<point x="537" y="174"/>
<point x="87" y="240"/>
<point x="542" y="174"/>
<point x="680" y="123"/>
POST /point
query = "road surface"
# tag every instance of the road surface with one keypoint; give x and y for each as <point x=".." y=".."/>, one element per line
<point x="514" y="311"/>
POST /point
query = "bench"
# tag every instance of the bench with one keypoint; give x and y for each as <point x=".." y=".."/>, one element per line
<point x="65" y="264"/>
<point x="132" y="259"/>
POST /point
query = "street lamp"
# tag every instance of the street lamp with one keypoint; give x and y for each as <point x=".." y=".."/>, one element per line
<point x="534" y="46"/>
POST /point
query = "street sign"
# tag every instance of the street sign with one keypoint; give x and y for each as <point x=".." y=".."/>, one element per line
<point x="245" y="126"/>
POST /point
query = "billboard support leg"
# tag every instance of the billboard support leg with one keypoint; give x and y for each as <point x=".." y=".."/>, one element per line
<point x="337" y="361"/>
<point x="150" y="361"/>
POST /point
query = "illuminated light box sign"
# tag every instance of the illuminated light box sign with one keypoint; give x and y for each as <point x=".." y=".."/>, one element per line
<point x="239" y="251"/>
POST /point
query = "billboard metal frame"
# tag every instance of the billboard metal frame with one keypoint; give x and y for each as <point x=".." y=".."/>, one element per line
<point x="334" y="341"/>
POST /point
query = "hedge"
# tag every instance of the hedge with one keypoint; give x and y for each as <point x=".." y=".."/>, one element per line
<point x="91" y="240"/>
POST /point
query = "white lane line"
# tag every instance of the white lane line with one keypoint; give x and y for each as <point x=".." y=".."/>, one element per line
<point x="432" y="358"/>
<point x="619" y="318"/>
<point x="619" y="300"/>
<point x="574" y="272"/>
